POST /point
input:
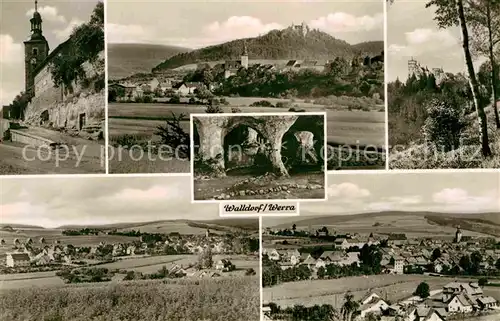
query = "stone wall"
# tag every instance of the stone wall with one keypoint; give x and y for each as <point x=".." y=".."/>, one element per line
<point x="82" y="111"/>
<point x="213" y="129"/>
<point x="4" y="126"/>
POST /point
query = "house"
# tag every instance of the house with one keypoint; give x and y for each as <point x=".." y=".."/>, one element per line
<point x="487" y="302"/>
<point x="17" y="259"/>
<point x="399" y="265"/>
<point x="350" y="258"/>
<point x="320" y="263"/>
<point x="341" y="243"/>
<point x="273" y="255"/>
<point x="224" y="265"/>
<point x="372" y="303"/>
<point x="461" y="303"/>
<point x="309" y="261"/>
<point x="188" y="88"/>
<point x="424" y="314"/>
<point x="452" y="289"/>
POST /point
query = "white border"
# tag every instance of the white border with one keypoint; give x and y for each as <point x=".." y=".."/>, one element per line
<point x="106" y="124"/>
<point x="325" y="156"/>
<point x="261" y="288"/>
<point x="386" y="98"/>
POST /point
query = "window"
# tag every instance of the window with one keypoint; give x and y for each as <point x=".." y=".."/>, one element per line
<point x="35" y="51"/>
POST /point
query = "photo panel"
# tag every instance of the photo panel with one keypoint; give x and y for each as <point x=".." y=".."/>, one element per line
<point x="443" y="95"/>
<point x="53" y="96"/>
<point x="243" y="57"/>
<point x="127" y="248"/>
<point x="258" y="156"/>
<point x="386" y="246"/>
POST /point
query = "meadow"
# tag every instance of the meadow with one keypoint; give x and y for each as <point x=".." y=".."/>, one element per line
<point x="355" y="128"/>
<point x="390" y="287"/>
<point x="188" y="300"/>
<point x="414" y="225"/>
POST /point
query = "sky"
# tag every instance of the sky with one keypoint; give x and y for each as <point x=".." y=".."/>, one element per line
<point x="444" y="192"/>
<point x="59" y="18"/>
<point x="195" y="24"/>
<point x="412" y="32"/>
<point x="52" y="202"/>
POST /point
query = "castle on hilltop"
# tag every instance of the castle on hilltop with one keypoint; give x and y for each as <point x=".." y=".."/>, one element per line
<point x="414" y="68"/>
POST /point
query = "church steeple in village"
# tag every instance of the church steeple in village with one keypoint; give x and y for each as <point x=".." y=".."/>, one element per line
<point x="36" y="23"/>
<point x="36" y="50"/>
<point x="244" y="55"/>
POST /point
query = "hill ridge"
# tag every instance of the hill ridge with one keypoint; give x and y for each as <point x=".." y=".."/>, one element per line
<point x="289" y="43"/>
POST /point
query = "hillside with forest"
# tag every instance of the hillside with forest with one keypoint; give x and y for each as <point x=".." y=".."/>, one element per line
<point x="435" y="125"/>
<point x="295" y="42"/>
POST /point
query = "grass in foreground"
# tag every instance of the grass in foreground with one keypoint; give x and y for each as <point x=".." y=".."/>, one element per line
<point x="183" y="300"/>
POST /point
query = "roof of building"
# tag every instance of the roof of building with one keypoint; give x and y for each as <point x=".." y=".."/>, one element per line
<point x="19" y="256"/>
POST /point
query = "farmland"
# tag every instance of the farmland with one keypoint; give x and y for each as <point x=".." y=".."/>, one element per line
<point x="390" y="287"/>
<point x="137" y="300"/>
<point x="355" y="128"/>
<point x="413" y="224"/>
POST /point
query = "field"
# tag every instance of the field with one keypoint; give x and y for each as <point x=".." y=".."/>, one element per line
<point x="390" y="287"/>
<point x="414" y="225"/>
<point x="187" y="300"/>
<point x="355" y="128"/>
<point x="51" y="235"/>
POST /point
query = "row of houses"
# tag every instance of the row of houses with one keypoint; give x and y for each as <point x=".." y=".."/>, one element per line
<point x="30" y="254"/>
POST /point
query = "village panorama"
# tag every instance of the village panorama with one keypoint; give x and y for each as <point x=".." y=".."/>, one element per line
<point x="190" y="266"/>
<point x="293" y="68"/>
<point x="313" y="272"/>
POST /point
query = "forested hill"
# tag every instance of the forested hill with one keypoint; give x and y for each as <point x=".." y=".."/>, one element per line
<point x="289" y="43"/>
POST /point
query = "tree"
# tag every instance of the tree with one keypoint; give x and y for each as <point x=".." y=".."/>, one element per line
<point x="436" y="254"/>
<point x="422" y="290"/>
<point x="205" y="260"/>
<point x="294" y="227"/>
<point x="203" y="94"/>
<point x="485" y="18"/>
<point x="349" y="308"/>
<point x="482" y="281"/>
<point x="497" y="264"/>
<point x="452" y="13"/>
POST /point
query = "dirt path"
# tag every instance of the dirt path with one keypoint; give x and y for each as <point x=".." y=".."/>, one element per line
<point x="17" y="159"/>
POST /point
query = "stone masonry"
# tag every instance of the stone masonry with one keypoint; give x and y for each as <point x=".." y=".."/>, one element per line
<point x="213" y="129"/>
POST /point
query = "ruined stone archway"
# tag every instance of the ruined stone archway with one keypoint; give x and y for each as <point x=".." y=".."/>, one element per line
<point x="244" y="150"/>
<point x="304" y="144"/>
<point x="212" y="130"/>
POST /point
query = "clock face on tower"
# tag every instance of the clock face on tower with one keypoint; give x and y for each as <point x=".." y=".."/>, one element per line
<point x="33" y="61"/>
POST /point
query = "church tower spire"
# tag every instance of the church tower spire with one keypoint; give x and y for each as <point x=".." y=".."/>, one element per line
<point x="244" y="55"/>
<point x="36" y="23"/>
<point x="36" y="49"/>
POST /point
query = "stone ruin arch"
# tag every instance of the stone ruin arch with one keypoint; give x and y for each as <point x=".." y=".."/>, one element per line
<point x="212" y="130"/>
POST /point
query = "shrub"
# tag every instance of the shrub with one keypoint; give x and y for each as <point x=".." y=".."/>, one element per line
<point x="175" y="100"/>
<point x="422" y="290"/>
<point x="262" y="103"/>
<point x="213" y="109"/>
<point x="444" y="123"/>
<point x="283" y="104"/>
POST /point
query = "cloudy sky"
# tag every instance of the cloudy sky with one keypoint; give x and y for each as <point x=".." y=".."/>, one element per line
<point x="446" y="192"/>
<point x="412" y="32"/>
<point x="52" y="202"/>
<point x="196" y="24"/>
<point x="59" y="18"/>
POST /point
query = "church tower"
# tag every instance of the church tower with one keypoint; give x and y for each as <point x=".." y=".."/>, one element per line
<point x="244" y="56"/>
<point x="458" y="235"/>
<point x="36" y="49"/>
